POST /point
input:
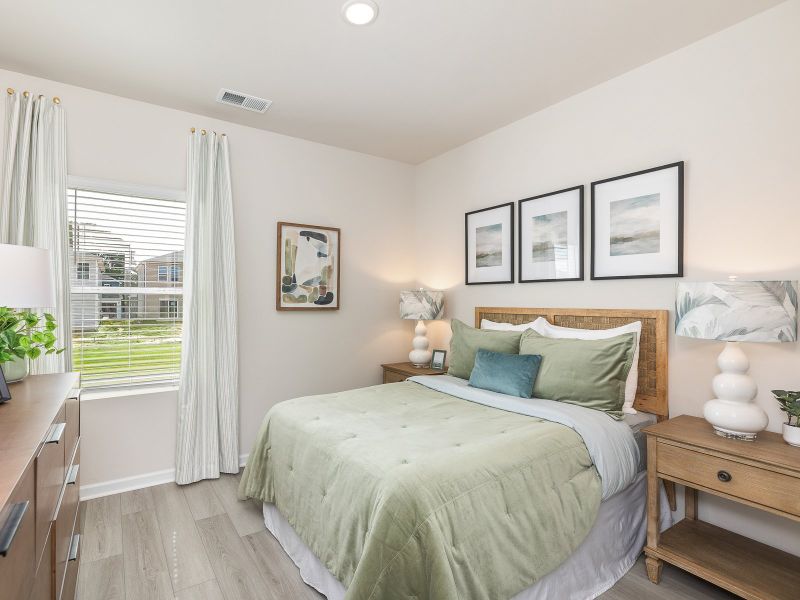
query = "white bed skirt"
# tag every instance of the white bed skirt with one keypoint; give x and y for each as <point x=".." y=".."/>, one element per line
<point x="607" y="553"/>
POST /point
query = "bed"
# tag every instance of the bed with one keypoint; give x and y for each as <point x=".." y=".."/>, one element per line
<point x="432" y="489"/>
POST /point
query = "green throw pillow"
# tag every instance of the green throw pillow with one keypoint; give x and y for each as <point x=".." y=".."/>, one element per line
<point x="466" y="342"/>
<point x="590" y="373"/>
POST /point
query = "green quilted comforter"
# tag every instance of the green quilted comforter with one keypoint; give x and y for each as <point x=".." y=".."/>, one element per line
<point x="404" y="492"/>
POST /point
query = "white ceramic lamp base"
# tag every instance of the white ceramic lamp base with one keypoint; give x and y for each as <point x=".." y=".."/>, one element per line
<point x="732" y="413"/>
<point x="420" y="356"/>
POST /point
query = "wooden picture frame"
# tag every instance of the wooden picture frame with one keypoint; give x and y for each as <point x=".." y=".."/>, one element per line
<point x="315" y="288"/>
<point x="640" y="186"/>
<point x="568" y="202"/>
<point x="496" y="223"/>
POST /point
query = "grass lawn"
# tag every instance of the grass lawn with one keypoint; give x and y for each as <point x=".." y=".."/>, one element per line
<point x="109" y="351"/>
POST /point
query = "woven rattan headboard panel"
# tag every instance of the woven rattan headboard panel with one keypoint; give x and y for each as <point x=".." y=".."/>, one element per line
<point x="651" y="395"/>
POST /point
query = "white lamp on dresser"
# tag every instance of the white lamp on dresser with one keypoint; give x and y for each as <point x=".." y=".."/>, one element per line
<point x="734" y="312"/>
<point x="421" y="305"/>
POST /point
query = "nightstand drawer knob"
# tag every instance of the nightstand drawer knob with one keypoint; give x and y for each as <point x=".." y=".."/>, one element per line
<point x="724" y="476"/>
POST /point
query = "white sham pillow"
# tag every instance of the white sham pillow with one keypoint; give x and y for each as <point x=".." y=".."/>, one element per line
<point x="492" y="325"/>
<point x="545" y="328"/>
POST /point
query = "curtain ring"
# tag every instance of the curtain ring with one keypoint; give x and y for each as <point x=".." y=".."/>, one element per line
<point x="10" y="91"/>
<point x="26" y="93"/>
<point x="191" y="130"/>
<point x="56" y="100"/>
<point x="203" y="131"/>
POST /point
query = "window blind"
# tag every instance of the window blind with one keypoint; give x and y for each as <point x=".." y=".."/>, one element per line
<point x="126" y="281"/>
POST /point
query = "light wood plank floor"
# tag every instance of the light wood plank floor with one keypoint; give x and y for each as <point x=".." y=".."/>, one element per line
<point x="199" y="542"/>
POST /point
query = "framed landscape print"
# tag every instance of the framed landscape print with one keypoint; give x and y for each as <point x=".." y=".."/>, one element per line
<point x="637" y="224"/>
<point x="308" y="267"/>
<point x="551" y="236"/>
<point x="489" y="237"/>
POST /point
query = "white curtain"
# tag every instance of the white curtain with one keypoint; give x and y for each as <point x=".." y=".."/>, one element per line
<point x="208" y="399"/>
<point x="33" y="209"/>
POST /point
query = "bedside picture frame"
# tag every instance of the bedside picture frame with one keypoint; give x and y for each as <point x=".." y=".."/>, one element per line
<point x="438" y="359"/>
<point x="308" y="275"/>
<point x="488" y="245"/>
<point x="637" y="224"/>
<point x="550" y="245"/>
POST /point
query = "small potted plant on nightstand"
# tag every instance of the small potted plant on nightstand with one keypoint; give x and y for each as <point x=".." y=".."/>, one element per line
<point x="790" y="404"/>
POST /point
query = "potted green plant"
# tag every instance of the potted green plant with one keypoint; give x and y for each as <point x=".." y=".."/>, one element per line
<point x="790" y="404"/>
<point x="24" y="335"/>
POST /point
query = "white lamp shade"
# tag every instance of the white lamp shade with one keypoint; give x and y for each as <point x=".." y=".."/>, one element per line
<point x="422" y="305"/>
<point x="737" y="311"/>
<point x="26" y="277"/>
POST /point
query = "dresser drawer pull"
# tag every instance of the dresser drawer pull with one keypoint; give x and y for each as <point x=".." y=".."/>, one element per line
<point x="55" y="434"/>
<point x="73" y="547"/>
<point x="72" y="477"/>
<point x="11" y="526"/>
<point x="724" y="476"/>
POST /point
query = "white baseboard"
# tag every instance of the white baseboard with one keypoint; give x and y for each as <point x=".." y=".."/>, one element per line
<point x="136" y="482"/>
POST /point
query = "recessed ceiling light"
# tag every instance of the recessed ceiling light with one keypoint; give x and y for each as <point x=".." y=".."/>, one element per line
<point x="360" y="12"/>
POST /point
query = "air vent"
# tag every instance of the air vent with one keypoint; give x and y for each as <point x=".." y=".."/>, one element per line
<point x="245" y="101"/>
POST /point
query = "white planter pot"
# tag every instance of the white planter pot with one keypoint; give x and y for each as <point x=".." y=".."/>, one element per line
<point x="791" y="435"/>
<point x="15" y="370"/>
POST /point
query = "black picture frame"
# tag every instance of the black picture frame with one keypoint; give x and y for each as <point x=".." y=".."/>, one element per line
<point x="433" y="358"/>
<point x="510" y="206"/>
<point x="679" y="273"/>
<point x="581" y="253"/>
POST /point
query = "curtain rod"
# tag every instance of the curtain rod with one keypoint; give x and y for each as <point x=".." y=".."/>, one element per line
<point x="203" y="132"/>
<point x="26" y="93"/>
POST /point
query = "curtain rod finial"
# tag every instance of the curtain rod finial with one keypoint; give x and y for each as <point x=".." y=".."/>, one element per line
<point x="10" y="91"/>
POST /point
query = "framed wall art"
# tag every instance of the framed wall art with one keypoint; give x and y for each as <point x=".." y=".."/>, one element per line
<point x="489" y="238"/>
<point x="308" y="267"/>
<point x="551" y="236"/>
<point x="637" y="224"/>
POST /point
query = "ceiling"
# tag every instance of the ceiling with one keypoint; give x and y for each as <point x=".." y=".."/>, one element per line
<point x="427" y="76"/>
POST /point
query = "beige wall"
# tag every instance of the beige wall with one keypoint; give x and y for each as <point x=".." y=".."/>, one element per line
<point x="282" y="355"/>
<point x="729" y="106"/>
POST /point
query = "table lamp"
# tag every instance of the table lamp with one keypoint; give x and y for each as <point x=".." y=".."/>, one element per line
<point x="733" y="312"/>
<point x="26" y="281"/>
<point x="421" y="305"/>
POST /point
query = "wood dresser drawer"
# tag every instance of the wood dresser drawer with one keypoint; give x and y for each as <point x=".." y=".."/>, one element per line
<point x="66" y="521"/>
<point x="43" y="588"/>
<point x="17" y="540"/>
<point x="72" y="408"/>
<point x="750" y="483"/>
<point x="50" y="473"/>
<point x="392" y="377"/>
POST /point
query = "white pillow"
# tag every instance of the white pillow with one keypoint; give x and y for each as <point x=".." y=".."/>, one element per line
<point x="487" y="324"/>
<point x="543" y="327"/>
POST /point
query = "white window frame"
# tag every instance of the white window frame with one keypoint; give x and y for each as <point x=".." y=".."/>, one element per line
<point x="124" y="189"/>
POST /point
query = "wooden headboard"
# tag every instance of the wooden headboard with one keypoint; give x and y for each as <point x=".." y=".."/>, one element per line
<point x="651" y="394"/>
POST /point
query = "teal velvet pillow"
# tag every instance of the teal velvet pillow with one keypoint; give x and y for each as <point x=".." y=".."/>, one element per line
<point x="512" y="374"/>
<point x="467" y="341"/>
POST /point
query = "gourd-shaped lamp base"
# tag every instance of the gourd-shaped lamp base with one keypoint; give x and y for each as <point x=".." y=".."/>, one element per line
<point x="420" y="356"/>
<point x="733" y="413"/>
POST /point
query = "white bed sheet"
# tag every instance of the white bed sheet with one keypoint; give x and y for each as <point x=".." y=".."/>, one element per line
<point x="608" y="552"/>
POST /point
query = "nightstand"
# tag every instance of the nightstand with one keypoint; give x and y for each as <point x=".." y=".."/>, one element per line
<point x="394" y="372"/>
<point x="764" y="474"/>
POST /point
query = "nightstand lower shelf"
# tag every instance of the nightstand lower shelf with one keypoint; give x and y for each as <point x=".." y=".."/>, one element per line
<point x="745" y="567"/>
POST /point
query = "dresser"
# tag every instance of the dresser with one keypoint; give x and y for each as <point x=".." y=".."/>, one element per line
<point x="763" y="474"/>
<point x="39" y="482"/>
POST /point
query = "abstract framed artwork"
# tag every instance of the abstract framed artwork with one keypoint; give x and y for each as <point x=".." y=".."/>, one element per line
<point x="551" y="237"/>
<point x="637" y="224"/>
<point x="308" y="275"/>
<point x="488" y="241"/>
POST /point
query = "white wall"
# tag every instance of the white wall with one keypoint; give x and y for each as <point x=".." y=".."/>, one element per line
<point x="729" y="106"/>
<point x="282" y="355"/>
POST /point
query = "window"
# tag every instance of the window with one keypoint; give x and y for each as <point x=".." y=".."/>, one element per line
<point x="126" y="249"/>
<point x="83" y="270"/>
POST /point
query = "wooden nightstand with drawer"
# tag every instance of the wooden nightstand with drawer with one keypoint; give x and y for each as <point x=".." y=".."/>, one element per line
<point x="394" y="372"/>
<point x="764" y="474"/>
